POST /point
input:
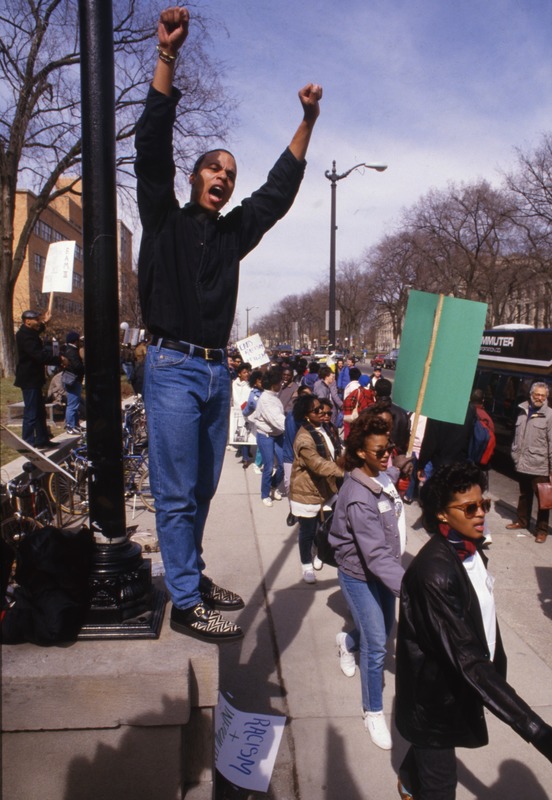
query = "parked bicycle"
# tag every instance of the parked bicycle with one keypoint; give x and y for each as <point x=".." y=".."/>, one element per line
<point x="135" y="432"/>
<point x="29" y="505"/>
<point x="73" y="495"/>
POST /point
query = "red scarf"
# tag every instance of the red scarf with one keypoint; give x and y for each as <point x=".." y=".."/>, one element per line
<point x="463" y="546"/>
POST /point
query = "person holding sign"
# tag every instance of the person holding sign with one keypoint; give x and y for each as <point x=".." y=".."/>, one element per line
<point x="30" y="376"/>
<point x="450" y="662"/>
<point x="188" y="282"/>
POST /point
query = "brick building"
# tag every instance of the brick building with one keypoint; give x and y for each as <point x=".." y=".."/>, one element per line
<point x="62" y="220"/>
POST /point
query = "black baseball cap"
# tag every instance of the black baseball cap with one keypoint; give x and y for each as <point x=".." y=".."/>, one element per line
<point x="30" y="315"/>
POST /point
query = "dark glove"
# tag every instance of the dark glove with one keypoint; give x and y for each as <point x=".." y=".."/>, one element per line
<point x="543" y="741"/>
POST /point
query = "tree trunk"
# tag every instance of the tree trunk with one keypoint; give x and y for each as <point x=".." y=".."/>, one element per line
<point x="7" y="334"/>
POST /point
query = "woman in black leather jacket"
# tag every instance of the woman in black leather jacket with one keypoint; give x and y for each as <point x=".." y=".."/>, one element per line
<point x="450" y="662"/>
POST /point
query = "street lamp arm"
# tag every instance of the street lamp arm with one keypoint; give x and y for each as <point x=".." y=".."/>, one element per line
<point x="333" y="176"/>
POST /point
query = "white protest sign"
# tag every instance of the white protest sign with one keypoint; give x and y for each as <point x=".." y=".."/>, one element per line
<point x="239" y="432"/>
<point x="246" y="745"/>
<point x="58" y="272"/>
<point x="252" y="350"/>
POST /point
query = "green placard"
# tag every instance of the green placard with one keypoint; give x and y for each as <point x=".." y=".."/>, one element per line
<point x="454" y="359"/>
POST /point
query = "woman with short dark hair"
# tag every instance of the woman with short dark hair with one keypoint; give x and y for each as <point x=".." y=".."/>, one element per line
<point x="450" y="662"/>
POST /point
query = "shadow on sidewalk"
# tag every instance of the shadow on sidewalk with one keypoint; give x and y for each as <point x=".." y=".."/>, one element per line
<point x="515" y="781"/>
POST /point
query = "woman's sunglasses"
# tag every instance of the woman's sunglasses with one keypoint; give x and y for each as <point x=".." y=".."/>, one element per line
<point x="470" y="509"/>
<point x="382" y="451"/>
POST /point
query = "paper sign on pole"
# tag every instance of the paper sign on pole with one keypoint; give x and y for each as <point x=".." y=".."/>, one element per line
<point x="252" y="350"/>
<point x="58" y="272"/>
<point x="246" y="745"/>
<point x="443" y="381"/>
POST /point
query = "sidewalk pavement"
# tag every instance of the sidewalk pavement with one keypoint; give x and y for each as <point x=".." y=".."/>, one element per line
<point x="287" y="662"/>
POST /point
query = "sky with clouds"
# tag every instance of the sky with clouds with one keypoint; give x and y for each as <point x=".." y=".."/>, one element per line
<point x="439" y="91"/>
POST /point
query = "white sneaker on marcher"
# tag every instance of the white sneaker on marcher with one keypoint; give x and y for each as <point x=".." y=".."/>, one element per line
<point x="267" y="501"/>
<point x="346" y="658"/>
<point x="308" y="573"/>
<point x="257" y="470"/>
<point x="317" y="563"/>
<point x="276" y="495"/>
<point x="375" y="724"/>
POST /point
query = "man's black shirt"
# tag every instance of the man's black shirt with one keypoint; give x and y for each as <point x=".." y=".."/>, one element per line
<point x="188" y="267"/>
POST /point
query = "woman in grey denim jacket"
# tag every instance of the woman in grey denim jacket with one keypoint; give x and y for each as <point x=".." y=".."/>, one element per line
<point x="368" y="535"/>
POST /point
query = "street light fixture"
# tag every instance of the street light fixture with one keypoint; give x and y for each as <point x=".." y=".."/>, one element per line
<point x="334" y="177"/>
<point x="247" y="310"/>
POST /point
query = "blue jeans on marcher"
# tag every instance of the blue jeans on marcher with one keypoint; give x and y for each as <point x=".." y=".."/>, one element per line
<point x="187" y="402"/>
<point x="34" y="430"/>
<point x="372" y="606"/>
<point x="272" y="449"/>
<point x="73" y="402"/>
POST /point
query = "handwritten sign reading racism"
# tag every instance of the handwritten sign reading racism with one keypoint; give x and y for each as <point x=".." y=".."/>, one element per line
<point x="246" y="745"/>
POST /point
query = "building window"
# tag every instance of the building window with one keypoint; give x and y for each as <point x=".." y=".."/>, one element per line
<point x="44" y="230"/>
<point x="39" y="263"/>
<point x="77" y="280"/>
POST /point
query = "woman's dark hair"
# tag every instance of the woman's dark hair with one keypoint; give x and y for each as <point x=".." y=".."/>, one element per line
<point x="303" y="406"/>
<point x="363" y="426"/>
<point x="314" y="366"/>
<point x="438" y="491"/>
<point x="254" y="377"/>
<point x="272" y="377"/>
<point x="354" y="373"/>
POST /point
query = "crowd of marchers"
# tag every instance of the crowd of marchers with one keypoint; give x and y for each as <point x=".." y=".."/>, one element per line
<point x="346" y="458"/>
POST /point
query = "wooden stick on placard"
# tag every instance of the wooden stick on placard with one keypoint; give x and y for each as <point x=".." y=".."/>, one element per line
<point x="51" y="303"/>
<point x="425" y="376"/>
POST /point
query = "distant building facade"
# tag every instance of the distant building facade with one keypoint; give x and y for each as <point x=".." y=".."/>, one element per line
<point x="62" y="220"/>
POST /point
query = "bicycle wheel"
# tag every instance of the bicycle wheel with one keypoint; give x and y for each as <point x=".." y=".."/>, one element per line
<point x="16" y="528"/>
<point x="144" y="491"/>
<point x="71" y="496"/>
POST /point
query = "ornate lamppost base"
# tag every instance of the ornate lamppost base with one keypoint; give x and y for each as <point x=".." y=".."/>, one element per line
<point x="124" y="602"/>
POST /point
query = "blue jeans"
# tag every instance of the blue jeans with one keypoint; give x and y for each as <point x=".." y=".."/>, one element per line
<point x="272" y="449"/>
<point x="73" y="402"/>
<point x="187" y="402"/>
<point x="372" y="606"/>
<point x="34" y="430"/>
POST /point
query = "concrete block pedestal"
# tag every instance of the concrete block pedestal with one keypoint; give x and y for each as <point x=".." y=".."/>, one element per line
<point x="109" y="719"/>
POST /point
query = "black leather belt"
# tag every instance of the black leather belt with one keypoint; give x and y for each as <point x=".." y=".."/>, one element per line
<point x="208" y="353"/>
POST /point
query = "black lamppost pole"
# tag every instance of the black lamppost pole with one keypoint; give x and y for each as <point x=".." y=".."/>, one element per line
<point x="334" y="177"/>
<point x="123" y="600"/>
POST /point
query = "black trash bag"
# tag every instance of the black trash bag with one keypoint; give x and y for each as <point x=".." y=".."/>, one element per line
<point x="52" y="595"/>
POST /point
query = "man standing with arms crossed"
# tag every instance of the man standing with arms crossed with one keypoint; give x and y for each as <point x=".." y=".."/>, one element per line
<point x="188" y="281"/>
